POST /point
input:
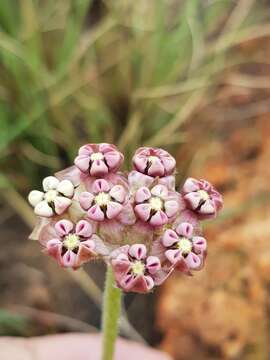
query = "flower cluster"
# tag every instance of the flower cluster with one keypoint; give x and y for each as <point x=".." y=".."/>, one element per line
<point x="137" y="223"/>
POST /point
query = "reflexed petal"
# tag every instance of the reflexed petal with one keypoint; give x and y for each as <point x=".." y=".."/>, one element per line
<point x="160" y="191"/>
<point x="113" y="159"/>
<point x="35" y="197"/>
<point x="199" y="243"/>
<point x="86" y="150"/>
<point x="156" y="168"/>
<point x="153" y="264"/>
<point x="185" y="229"/>
<point x="143" y="211"/>
<point x="171" y="207"/>
<point x="69" y="259"/>
<point x="98" y="168"/>
<point x="173" y="255"/>
<point x="142" y="194"/>
<point x="86" y="199"/>
<point x="95" y="213"/>
<point x="140" y="163"/>
<point x="149" y="282"/>
<point x="101" y="185"/>
<point x="84" y="229"/>
<point x="113" y="209"/>
<point x="193" y="261"/>
<point x="82" y="162"/>
<point x="54" y="248"/>
<point x="86" y="252"/>
<point x="137" y="251"/>
<point x="50" y="183"/>
<point x="120" y="265"/>
<point x="190" y="185"/>
<point x="63" y="227"/>
<point x="169" y="238"/>
<point x="193" y="200"/>
<point x="43" y="209"/>
<point x="61" y="204"/>
<point x="118" y="193"/>
<point x="159" y="219"/>
<point x="105" y="147"/>
<point x="66" y="188"/>
<point x="207" y="208"/>
<point x="169" y="164"/>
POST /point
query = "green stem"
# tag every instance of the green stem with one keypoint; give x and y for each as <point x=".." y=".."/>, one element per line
<point x="111" y="315"/>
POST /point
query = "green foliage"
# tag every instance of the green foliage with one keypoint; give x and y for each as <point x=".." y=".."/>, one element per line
<point x="11" y="324"/>
<point x="117" y="71"/>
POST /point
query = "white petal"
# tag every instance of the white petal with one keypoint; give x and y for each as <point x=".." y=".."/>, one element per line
<point x="35" y="197"/>
<point x="66" y="188"/>
<point x="61" y="204"/>
<point x="50" y="183"/>
<point x="43" y="209"/>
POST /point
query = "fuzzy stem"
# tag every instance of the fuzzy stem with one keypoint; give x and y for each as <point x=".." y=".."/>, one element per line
<point x="110" y="315"/>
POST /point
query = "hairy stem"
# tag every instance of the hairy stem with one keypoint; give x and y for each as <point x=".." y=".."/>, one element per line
<point x="111" y="315"/>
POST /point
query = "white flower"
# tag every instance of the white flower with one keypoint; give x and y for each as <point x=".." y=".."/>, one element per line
<point x="55" y="198"/>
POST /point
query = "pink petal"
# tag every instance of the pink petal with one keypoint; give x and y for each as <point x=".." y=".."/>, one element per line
<point x="193" y="200"/>
<point x="169" y="238"/>
<point x="159" y="219"/>
<point x="113" y="159"/>
<point x="160" y="191"/>
<point x="86" y="252"/>
<point x="190" y="185"/>
<point x="140" y="163"/>
<point x="61" y="204"/>
<point x="149" y="282"/>
<point x="82" y="162"/>
<point x="156" y="168"/>
<point x="105" y="148"/>
<point x="207" y="208"/>
<point x="143" y="211"/>
<point x="173" y="256"/>
<point x="199" y="243"/>
<point x="185" y="229"/>
<point x="95" y="213"/>
<point x="63" y="227"/>
<point x="54" y="248"/>
<point x="101" y="185"/>
<point x="84" y="229"/>
<point x="169" y="164"/>
<point x="86" y="150"/>
<point x="137" y="251"/>
<point x="86" y="199"/>
<point x="113" y="209"/>
<point x="118" y="193"/>
<point x="193" y="261"/>
<point x="153" y="264"/>
<point x="120" y="265"/>
<point x="98" y="168"/>
<point x="69" y="259"/>
<point x="171" y="208"/>
<point x="142" y="194"/>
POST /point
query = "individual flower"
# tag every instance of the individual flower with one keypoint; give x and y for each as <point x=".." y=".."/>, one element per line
<point x="98" y="159"/>
<point x="154" y="162"/>
<point x="74" y="245"/>
<point x="133" y="269"/>
<point x="54" y="200"/>
<point x="184" y="250"/>
<point x="202" y="198"/>
<point x="104" y="202"/>
<point x="156" y="206"/>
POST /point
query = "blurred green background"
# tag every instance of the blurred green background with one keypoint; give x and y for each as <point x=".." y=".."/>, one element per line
<point x="157" y="73"/>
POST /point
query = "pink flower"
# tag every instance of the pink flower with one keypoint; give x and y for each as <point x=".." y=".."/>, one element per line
<point x="202" y="198"/>
<point x="73" y="246"/>
<point x="98" y="159"/>
<point x="156" y="206"/>
<point x="133" y="269"/>
<point x="154" y="162"/>
<point x="182" y="249"/>
<point x="104" y="202"/>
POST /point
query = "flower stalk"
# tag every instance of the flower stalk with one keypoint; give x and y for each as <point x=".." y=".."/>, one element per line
<point x="110" y="315"/>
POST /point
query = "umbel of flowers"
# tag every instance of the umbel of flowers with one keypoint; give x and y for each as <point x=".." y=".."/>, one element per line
<point x="137" y="222"/>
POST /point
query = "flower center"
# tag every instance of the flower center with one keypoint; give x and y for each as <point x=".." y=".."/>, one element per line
<point x="102" y="199"/>
<point x="203" y="194"/>
<point x="97" y="156"/>
<point x="156" y="203"/>
<point x="184" y="245"/>
<point x="138" y="268"/>
<point x="51" y="195"/>
<point x="152" y="159"/>
<point x="71" y="241"/>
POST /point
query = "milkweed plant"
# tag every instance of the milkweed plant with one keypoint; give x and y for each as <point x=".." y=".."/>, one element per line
<point x="136" y="222"/>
